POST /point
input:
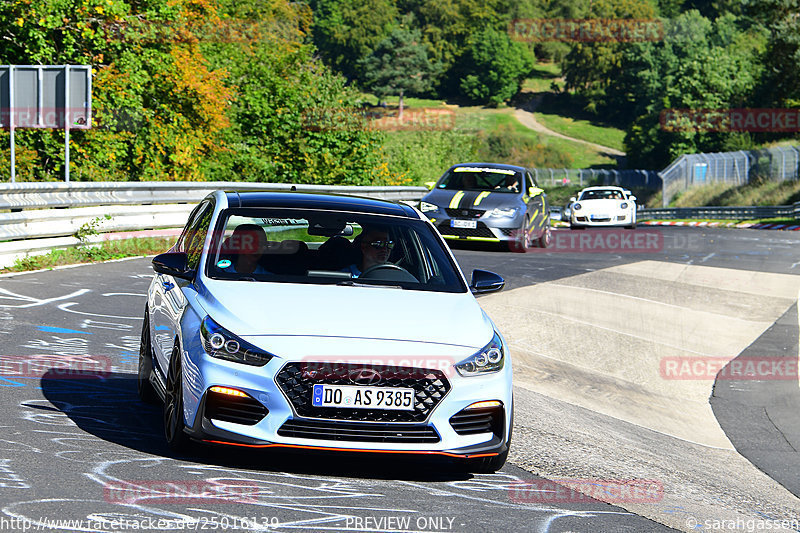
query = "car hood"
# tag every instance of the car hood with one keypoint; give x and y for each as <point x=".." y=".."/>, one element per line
<point x="600" y="205"/>
<point x="468" y="199"/>
<point x="289" y="309"/>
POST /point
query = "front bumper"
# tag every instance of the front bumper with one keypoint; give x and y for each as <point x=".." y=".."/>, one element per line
<point x="487" y="229"/>
<point x="601" y="220"/>
<point x="271" y="418"/>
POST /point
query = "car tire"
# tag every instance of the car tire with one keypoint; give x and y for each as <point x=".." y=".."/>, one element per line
<point x="145" y="389"/>
<point x="174" y="426"/>
<point x="546" y="237"/>
<point x="522" y="240"/>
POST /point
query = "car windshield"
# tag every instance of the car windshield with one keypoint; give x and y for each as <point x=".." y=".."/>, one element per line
<point x="604" y="194"/>
<point x="326" y="247"/>
<point x="479" y="178"/>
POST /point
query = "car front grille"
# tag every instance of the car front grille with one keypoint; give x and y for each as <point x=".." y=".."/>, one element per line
<point x="480" y="231"/>
<point x="297" y="380"/>
<point x="234" y="409"/>
<point x="358" y="431"/>
<point x="464" y="213"/>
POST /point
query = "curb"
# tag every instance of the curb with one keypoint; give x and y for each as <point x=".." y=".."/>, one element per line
<point x="742" y="225"/>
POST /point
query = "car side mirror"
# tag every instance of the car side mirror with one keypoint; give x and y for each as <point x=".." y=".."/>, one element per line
<point x="173" y="264"/>
<point x="533" y="191"/>
<point x="484" y="282"/>
<point x="430" y="185"/>
<point x="573" y="199"/>
<point x="632" y="198"/>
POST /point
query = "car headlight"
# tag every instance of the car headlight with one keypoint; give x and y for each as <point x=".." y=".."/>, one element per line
<point x="489" y="359"/>
<point x="220" y="343"/>
<point x="575" y="207"/>
<point x="426" y="207"/>
<point x="499" y="212"/>
<point x="623" y="205"/>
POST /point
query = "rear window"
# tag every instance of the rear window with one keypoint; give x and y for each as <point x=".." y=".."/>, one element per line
<point x="324" y="247"/>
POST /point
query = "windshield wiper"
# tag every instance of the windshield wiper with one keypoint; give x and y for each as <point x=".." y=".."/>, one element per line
<point x="350" y="283"/>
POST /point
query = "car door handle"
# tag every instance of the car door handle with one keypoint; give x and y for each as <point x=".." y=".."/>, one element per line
<point x="167" y="285"/>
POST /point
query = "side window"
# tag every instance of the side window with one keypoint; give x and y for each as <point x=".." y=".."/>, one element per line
<point x="195" y="233"/>
<point x="530" y="181"/>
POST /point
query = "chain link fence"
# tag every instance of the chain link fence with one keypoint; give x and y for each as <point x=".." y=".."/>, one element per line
<point x="589" y="176"/>
<point x="780" y="163"/>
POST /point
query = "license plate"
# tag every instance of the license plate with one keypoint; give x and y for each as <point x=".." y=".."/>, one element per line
<point x="360" y="397"/>
<point x="601" y="218"/>
<point x="466" y="224"/>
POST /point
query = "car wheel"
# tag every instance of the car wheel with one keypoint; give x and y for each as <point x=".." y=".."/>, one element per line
<point x="546" y="238"/>
<point x="173" y="406"/>
<point x="523" y="239"/>
<point x="146" y="391"/>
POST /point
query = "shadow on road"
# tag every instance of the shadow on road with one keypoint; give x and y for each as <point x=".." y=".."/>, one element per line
<point x="109" y="408"/>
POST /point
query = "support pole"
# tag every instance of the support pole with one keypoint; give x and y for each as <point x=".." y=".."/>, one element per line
<point x="11" y="122"/>
<point x="66" y="123"/>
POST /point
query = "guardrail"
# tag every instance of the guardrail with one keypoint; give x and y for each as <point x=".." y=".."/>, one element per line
<point x="45" y="216"/>
<point x="708" y="213"/>
<point x="17" y="196"/>
<point x="722" y="213"/>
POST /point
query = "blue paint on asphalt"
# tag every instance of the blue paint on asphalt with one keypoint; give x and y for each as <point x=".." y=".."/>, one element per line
<point x="5" y="382"/>
<point x="52" y="329"/>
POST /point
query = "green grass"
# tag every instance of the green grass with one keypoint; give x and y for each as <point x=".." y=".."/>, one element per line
<point x="104" y="251"/>
<point x="583" y="129"/>
<point x="408" y="102"/>
<point x="543" y="77"/>
<point x="759" y="192"/>
<point x="563" y="114"/>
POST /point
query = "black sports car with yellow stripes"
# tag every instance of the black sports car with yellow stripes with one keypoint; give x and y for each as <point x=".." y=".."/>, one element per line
<point x="489" y="202"/>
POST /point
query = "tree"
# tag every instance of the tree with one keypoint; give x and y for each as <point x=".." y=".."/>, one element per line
<point x="590" y="67"/>
<point x="400" y="65"/>
<point x="346" y="31"/>
<point x="494" y="67"/>
<point x="701" y="65"/>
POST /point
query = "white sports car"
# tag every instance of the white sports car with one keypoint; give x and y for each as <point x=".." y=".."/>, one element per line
<point x="603" y="206"/>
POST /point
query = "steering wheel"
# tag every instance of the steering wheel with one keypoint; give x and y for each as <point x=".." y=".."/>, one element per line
<point x="393" y="273"/>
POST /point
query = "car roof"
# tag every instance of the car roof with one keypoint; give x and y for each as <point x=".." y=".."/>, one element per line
<point x="308" y="200"/>
<point x="491" y="165"/>
<point x="603" y="188"/>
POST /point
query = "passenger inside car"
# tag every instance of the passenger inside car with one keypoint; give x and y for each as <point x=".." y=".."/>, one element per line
<point x="243" y="250"/>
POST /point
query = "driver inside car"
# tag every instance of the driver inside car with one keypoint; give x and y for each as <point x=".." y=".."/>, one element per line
<point x="375" y="247"/>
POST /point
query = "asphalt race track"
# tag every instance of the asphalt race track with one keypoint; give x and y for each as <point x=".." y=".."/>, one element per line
<point x="83" y="448"/>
